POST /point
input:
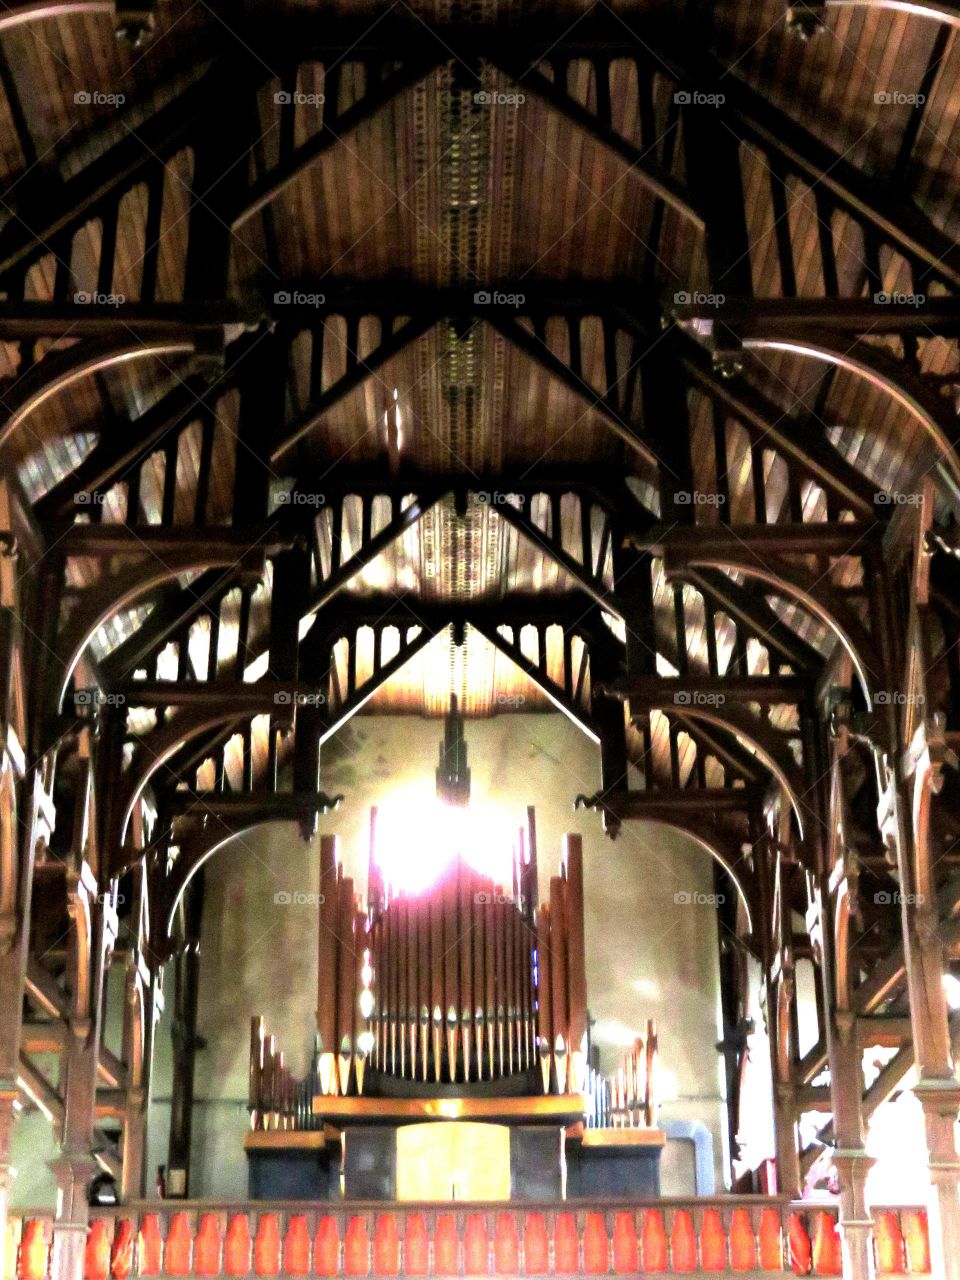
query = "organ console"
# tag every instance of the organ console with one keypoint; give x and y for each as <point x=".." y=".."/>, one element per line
<point x="465" y="1001"/>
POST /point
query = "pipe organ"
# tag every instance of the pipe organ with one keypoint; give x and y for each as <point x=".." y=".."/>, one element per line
<point x="628" y="1097"/>
<point x="466" y="1001"/>
<point x="468" y="982"/>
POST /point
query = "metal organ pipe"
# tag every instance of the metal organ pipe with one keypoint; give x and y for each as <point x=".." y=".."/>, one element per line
<point x="403" y="930"/>
<point x="347" y="982"/>
<point x="479" y="917"/>
<point x="392" y="977"/>
<point x="423" y="987"/>
<point x="451" y="976"/>
<point x="576" y="962"/>
<point x="490" y="971"/>
<point x="435" y="908"/>
<point x="558" y="982"/>
<point x="468" y="981"/>
<point x="327" y="964"/>
<point x="464" y="927"/>
<point x="360" y="944"/>
<point x="462" y="982"/>
<point x="544" y="995"/>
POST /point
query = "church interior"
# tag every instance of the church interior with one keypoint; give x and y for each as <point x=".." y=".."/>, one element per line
<point x="479" y="638"/>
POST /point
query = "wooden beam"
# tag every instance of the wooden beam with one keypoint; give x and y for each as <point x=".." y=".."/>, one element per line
<point x="779" y="317"/>
<point x="757" y="540"/>
<point x="158" y="540"/>
<point x="662" y="805"/>
<point x="44" y="990"/>
<point x="357" y="374"/>
<point x="25" y="321"/>
<point x="236" y="805"/>
<point x="643" y="163"/>
<point x="748" y="606"/>
<point x="793" y="438"/>
<point x="885" y="1031"/>
<point x="251" y="698"/>
<point x="568" y="705"/>
<point x="673" y="693"/>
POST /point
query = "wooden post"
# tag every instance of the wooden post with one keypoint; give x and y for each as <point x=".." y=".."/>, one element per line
<point x="830" y="898"/>
<point x="186" y="990"/>
<point x="136" y="1015"/>
<point x="92" y="934"/>
<point x="781" y="998"/>
<point x="21" y="832"/>
<point x="911" y="753"/>
<point x="26" y="818"/>
<point x="938" y="1089"/>
<point x="141" y="1008"/>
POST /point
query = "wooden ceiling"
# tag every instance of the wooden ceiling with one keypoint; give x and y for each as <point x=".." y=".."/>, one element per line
<point x="439" y="189"/>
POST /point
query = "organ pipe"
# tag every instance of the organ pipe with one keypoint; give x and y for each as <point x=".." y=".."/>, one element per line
<point x="327" y="963"/>
<point x="558" y="982"/>
<point x="544" y="995"/>
<point x="469" y="981"/>
<point x="467" y="887"/>
<point x="347" y="984"/>
<point x="478" y="915"/>
<point x="576" y="962"/>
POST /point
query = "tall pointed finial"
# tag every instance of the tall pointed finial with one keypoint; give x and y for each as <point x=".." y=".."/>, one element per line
<point x="453" y="776"/>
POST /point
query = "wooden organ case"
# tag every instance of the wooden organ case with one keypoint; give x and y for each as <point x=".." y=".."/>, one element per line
<point x="464" y="1005"/>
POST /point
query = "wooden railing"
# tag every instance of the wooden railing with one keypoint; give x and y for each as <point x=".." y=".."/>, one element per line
<point x="753" y="1237"/>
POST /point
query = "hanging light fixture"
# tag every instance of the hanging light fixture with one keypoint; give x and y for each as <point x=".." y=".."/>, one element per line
<point x="453" y="776"/>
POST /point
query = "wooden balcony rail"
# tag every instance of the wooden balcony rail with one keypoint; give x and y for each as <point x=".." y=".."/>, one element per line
<point x="900" y="1241"/>
<point x="753" y="1237"/>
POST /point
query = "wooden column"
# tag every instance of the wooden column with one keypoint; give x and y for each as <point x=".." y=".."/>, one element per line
<point x="827" y="921"/>
<point x="938" y="1089"/>
<point x="608" y="714"/>
<point x="186" y="978"/>
<point x="910" y="754"/>
<point x="220" y="163"/>
<point x="846" y="1093"/>
<point x="26" y="817"/>
<point x="712" y="153"/>
<point x="92" y="935"/>
<point x="138" y="1019"/>
<point x="781" y="997"/>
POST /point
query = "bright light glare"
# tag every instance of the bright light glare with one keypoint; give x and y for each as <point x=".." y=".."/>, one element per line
<point x="895" y="1139"/>
<point x="951" y="987"/>
<point x="417" y="836"/>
